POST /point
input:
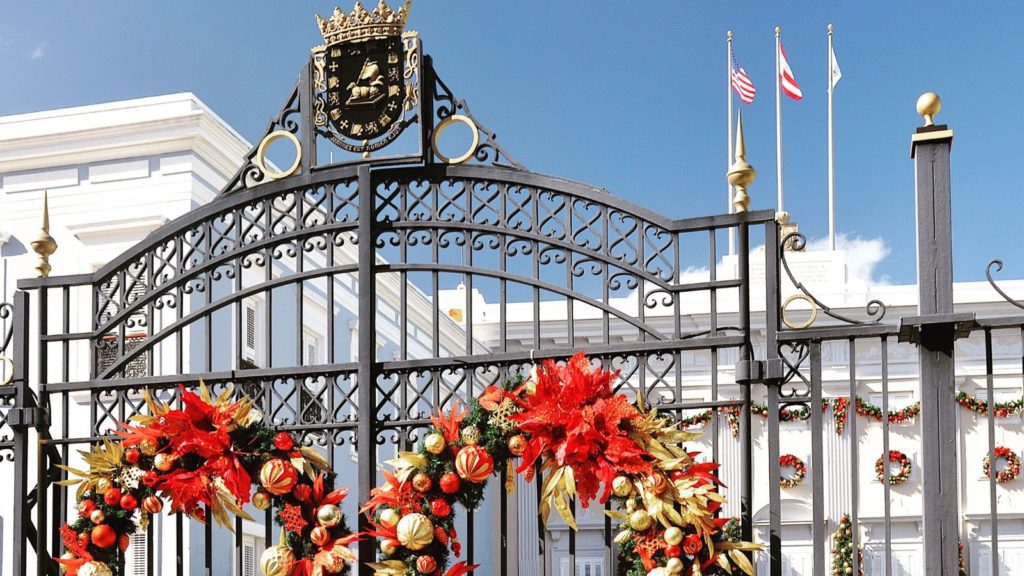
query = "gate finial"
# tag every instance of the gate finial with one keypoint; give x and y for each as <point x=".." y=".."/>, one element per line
<point x="741" y="174"/>
<point x="44" y="244"/>
<point x="928" y="106"/>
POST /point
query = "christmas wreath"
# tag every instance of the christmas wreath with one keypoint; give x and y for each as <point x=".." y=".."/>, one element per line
<point x="204" y="459"/>
<point x="799" y="471"/>
<point x="584" y="442"/>
<point x="1012" y="469"/>
<point x="898" y="478"/>
<point x="1000" y="409"/>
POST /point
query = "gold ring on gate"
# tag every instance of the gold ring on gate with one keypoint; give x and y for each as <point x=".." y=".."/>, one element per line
<point x="4" y="360"/>
<point x="443" y="126"/>
<point x="810" y="320"/>
<point x="261" y="154"/>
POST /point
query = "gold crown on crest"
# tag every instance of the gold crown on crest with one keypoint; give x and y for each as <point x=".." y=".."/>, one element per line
<point x="363" y="25"/>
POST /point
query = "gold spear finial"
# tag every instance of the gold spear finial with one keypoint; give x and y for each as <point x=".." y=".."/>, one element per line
<point x="928" y="106"/>
<point x="44" y="244"/>
<point x="741" y="174"/>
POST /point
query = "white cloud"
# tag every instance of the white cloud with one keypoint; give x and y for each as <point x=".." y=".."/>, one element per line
<point x="37" y="54"/>
<point x="863" y="255"/>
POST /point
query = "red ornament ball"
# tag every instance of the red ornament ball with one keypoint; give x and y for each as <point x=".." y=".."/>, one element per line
<point x="421" y="482"/>
<point x="284" y="441"/>
<point x="103" y="536"/>
<point x="85" y="508"/>
<point x="673" y="551"/>
<point x="692" y="544"/>
<point x="132" y="455"/>
<point x="450" y="483"/>
<point x="112" y="497"/>
<point x="474" y="463"/>
<point x="128" y="502"/>
<point x="319" y="536"/>
<point x="150" y="478"/>
<point x="153" y="504"/>
<point x="278" y="476"/>
<point x="426" y="564"/>
<point x="440" y="508"/>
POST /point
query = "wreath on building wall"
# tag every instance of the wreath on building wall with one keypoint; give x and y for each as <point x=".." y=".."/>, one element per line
<point x="895" y="456"/>
<point x="1012" y="469"/>
<point x="568" y="428"/>
<point x="1000" y="409"/>
<point x="799" y="471"/>
<point x="204" y="460"/>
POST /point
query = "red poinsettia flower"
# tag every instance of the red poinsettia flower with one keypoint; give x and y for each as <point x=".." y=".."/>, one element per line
<point x="575" y="419"/>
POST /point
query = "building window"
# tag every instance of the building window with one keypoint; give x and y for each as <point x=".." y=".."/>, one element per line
<point x="137" y="555"/>
<point x="250" y="334"/>
<point x="585" y="566"/>
<point x="312" y="345"/>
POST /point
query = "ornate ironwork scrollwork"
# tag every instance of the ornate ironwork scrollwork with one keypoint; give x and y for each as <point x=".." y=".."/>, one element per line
<point x="998" y="265"/>
<point x="487" y="148"/>
<point x="6" y="362"/>
<point x="875" y="309"/>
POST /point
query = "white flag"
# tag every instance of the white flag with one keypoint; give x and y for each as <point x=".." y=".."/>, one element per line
<point x="834" y="70"/>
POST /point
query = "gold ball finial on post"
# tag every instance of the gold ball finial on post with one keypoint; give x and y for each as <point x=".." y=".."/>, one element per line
<point x="44" y="245"/>
<point x="741" y="174"/>
<point x="928" y="106"/>
<point x="778" y="31"/>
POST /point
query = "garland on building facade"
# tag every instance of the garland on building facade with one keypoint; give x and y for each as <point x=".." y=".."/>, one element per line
<point x="799" y="471"/>
<point x="1000" y="409"/>
<point x="1007" y="474"/>
<point x="895" y="456"/>
<point x="842" y="549"/>
<point x="583" y="442"/>
<point x="204" y="459"/>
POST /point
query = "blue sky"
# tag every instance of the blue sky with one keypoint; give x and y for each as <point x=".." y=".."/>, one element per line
<point x="626" y="95"/>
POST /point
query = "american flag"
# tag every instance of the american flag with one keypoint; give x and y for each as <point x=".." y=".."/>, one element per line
<point x="741" y="82"/>
<point x="786" y="78"/>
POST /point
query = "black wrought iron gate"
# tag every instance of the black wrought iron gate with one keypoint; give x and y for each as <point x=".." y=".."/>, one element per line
<point x="353" y="299"/>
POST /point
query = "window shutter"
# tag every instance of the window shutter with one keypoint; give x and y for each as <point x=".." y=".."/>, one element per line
<point x="249" y="333"/>
<point x="137" y="556"/>
<point x="248" y="559"/>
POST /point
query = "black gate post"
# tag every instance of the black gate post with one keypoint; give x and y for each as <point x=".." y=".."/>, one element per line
<point x="21" y="420"/>
<point x="367" y="378"/>
<point x="935" y="330"/>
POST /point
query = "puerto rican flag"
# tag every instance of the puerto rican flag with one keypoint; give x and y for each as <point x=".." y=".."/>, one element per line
<point x="786" y="79"/>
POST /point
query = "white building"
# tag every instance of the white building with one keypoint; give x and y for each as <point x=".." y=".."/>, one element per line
<point x="116" y="172"/>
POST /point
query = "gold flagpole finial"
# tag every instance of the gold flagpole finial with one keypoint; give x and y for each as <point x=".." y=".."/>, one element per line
<point x="741" y="174"/>
<point x="729" y="35"/>
<point x="778" y="31"/>
<point x="44" y="245"/>
<point x="928" y="106"/>
<point x="830" y="29"/>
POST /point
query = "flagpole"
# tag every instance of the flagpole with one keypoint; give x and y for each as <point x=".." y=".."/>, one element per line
<point x="831" y="163"/>
<point x="728" y="161"/>
<point x="778" y="118"/>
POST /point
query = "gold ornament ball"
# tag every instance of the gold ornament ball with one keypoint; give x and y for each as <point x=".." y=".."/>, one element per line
<point x="97" y="517"/>
<point x="388" y="547"/>
<point x="434" y="443"/>
<point x="163" y="462"/>
<point x="470" y="435"/>
<point x="630" y="505"/>
<point x="103" y="486"/>
<point x="261" y="500"/>
<point x="421" y="482"/>
<point x="674" y="566"/>
<point x="277" y="561"/>
<point x="328" y="516"/>
<point x="389" y="517"/>
<point x="415" y="531"/>
<point x="517" y="445"/>
<point x="65" y="556"/>
<point x="319" y="536"/>
<point x="640" y="520"/>
<point x="94" y="569"/>
<point x="621" y="486"/>
<point x="148" y="447"/>
<point x="673" y="536"/>
<point x="656" y="483"/>
<point x="928" y="105"/>
<point x="153" y="504"/>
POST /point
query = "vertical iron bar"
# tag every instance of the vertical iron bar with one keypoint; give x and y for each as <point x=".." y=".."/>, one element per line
<point x="22" y="399"/>
<point x="746" y="355"/>
<point x="886" y="498"/>
<point x="774" y="489"/>
<point x="42" y="455"/>
<point x="851" y="419"/>
<point x="817" y="461"/>
<point x="367" y="359"/>
<point x="993" y="509"/>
